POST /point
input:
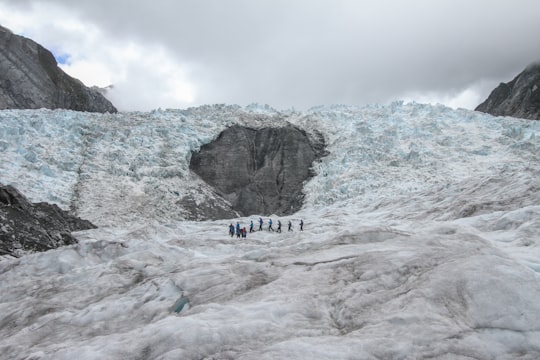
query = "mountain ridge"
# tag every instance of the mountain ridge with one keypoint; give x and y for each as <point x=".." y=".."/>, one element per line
<point x="518" y="98"/>
<point x="31" y="79"/>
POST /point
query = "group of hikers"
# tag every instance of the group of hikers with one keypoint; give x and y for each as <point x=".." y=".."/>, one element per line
<point x="240" y="231"/>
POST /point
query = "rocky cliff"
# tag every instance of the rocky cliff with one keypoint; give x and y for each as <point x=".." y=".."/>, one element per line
<point x="259" y="171"/>
<point x="34" y="227"/>
<point x="519" y="98"/>
<point x="31" y="79"/>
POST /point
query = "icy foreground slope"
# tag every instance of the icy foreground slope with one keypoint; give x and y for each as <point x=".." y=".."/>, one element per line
<point x="421" y="241"/>
<point x="366" y="292"/>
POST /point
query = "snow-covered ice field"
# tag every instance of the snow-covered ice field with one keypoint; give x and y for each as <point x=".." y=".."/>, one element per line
<point x="421" y="240"/>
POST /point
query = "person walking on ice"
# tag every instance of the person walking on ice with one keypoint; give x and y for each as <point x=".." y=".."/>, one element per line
<point x="279" y="226"/>
<point x="270" y="225"/>
<point x="301" y="225"/>
<point x="251" y="227"/>
<point x="231" y="230"/>
<point x="290" y="225"/>
<point x="260" y="223"/>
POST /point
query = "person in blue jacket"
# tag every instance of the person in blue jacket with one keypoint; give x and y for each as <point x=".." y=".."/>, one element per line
<point x="251" y="227"/>
<point x="270" y="225"/>
<point x="237" y="229"/>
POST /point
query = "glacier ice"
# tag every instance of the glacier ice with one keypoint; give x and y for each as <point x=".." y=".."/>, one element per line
<point x="421" y="240"/>
<point x="141" y="160"/>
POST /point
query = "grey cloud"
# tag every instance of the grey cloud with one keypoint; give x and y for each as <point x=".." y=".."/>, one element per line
<point x="304" y="53"/>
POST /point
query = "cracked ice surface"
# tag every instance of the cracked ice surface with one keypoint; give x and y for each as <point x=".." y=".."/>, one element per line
<point x="421" y="240"/>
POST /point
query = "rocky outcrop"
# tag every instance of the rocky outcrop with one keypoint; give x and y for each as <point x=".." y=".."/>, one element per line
<point x="27" y="227"/>
<point x="259" y="171"/>
<point x="519" y="98"/>
<point x="31" y="79"/>
<point x="207" y="206"/>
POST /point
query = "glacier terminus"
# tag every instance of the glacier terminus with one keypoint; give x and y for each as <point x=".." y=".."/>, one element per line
<point x="421" y="239"/>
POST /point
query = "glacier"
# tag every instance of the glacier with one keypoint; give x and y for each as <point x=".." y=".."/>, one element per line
<point x="421" y="239"/>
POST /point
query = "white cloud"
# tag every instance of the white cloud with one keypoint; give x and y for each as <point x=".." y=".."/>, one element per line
<point x="468" y="97"/>
<point x="143" y="76"/>
<point x="89" y="72"/>
<point x="146" y="77"/>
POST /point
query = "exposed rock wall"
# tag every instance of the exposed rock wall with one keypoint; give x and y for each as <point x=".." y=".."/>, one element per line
<point x="259" y="171"/>
<point x="34" y="227"/>
<point x="519" y="98"/>
<point x="31" y="79"/>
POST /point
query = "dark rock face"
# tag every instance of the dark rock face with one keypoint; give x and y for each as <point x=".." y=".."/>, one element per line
<point x="519" y="98"/>
<point x="208" y="208"/>
<point x="259" y="171"/>
<point x="34" y="227"/>
<point x="31" y="79"/>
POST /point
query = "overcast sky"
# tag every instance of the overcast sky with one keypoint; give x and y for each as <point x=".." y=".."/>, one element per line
<point x="285" y="53"/>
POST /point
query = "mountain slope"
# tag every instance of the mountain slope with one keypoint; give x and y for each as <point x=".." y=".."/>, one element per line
<point x="31" y="79"/>
<point x="518" y="98"/>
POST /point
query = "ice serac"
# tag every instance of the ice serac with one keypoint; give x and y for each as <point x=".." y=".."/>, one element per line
<point x="34" y="227"/>
<point x="31" y="79"/>
<point x="259" y="171"/>
<point x="518" y="98"/>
